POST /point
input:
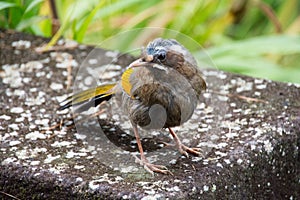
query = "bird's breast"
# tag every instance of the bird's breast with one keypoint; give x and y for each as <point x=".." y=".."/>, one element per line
<point x="157" y="96"/>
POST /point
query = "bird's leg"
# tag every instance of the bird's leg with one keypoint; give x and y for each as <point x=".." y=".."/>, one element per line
<point x="182" y="148"/>
<point x="143" y="160"/>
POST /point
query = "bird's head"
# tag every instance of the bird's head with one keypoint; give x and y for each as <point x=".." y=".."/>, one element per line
<point x="167" y="52"/>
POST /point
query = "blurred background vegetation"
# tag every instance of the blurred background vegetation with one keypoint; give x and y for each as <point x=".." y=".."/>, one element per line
<point x="260" y="38"/>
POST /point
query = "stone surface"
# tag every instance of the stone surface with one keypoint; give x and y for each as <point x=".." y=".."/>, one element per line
<point x="249" y="130"/>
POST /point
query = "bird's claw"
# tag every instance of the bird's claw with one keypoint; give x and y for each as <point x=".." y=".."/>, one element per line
<point x="151" y="168"/>
<point x="184" y="150"/>
<point x="189" y="150"/>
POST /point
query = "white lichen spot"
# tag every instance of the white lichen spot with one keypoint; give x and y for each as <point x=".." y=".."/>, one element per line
<point x="20" y="93"/>
<point x="56" y="86"/>
<point x="239" y="161"/>
<point x="150" y="194"/>
<point x="109" y="75"/>
<point x="14" y="143"/>
<point x="32" y="126"/>
<point x="31" y="65"/>
<point x="261" y="87"/>
<point x="60" y="133"/>
<point x="93" y="61"/>
<point x="206" y="95"/>
<point x="78" y="180"/>
<point x="70" y="154"/>
<point x="222" y="154"/>
<point x="27" y="79"/>
<point x="94" y="184"/>
<point x="227" y="161"/>
<point x="232" y="104"/>
<point x="214" y="137"/>
<point x="194" y="159"/>
<point x="173" y="189"/>
<point x="231" y="135"/>
<point x="35" y="162"/>
<point x="17" y="110"/>
<point x="221" y="145"/>
<point x="54" y="170"/>
<point x="14" y="133"/>
<point x="173" y="161"/>
<point x="205" y="188"/>
<point x="12" y="76"/>
<point x="21" y="44"/>
<point x="112" y="54"/>
<point x="237" y="110"/>
<point x="22" y="154"/>
<point x="5" y="117"/>
<point x="43" y="122"/>
<point x="119" y="178"/>
<point x="88" y="81"/>
<point x="128" y="169"/>
<point x="14" y="127"/>
<point x="79" y="136"/>
<point x="247" y="86"/>
<point x="8" y="161"/>
<point x="268" y="146"/>
<point x="4" y="137"/>
<point x="219" y="165"/>
<point x="50" y="158"/>
<point x="40" y="74"/>
<point x="222" y="98"/>
<point x="222" y="76"/>
<point x="258" y="132"/>
<point x="213" y="188"/>
<point x="79" y="167"/>
<point x="35" y="135"/>
<point x="37" y="150"/>
<point x="61" y="144"/>
<point x="256" y="93"/>
<point x="19" y="119"/>
<point x="258" y="81"/>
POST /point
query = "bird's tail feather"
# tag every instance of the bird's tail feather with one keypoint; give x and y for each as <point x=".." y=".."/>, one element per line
<point x="82" y="101"/>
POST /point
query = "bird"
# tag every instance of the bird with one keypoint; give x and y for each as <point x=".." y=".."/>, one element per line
<point x="159" y="90"/>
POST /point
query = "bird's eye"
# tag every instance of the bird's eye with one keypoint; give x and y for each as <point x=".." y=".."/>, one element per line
<point x="161" y="56"/>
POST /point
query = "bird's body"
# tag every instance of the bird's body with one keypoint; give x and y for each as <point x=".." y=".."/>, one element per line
<point x="172" y="99"/>
<point x="159" y="90"/>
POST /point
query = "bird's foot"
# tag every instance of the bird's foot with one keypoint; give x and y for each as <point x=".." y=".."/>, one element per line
<point x="184" y="150"/>
<point x="151" y="168"/>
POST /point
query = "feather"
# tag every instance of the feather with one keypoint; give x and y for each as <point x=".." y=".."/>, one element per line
<point x="125" y="82"/>
<point x="88" y="98"/>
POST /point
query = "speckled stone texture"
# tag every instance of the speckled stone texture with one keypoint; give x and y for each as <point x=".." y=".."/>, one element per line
<point x="248" y="129"/>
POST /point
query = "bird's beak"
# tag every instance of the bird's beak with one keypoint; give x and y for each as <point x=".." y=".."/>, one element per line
<point x="141" y="62"/>
<point x="149" y="58"/>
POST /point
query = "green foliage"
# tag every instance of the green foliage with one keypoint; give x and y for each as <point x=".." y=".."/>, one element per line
<point x="22" y="16"/>
<point x="272" y="57"/>
<point x="245" y="36"/>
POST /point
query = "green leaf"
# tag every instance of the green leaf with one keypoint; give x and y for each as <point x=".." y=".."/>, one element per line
<point x="32" y="5"/>
<point x="278" y="44"/>
<point x="86" y="22"/>
<point x="78" y="9"/>
<point x="4" y="5"/>
<point x="112" y="8"/>
<point x="271" y="57"/>
<point x="26" y="23"/>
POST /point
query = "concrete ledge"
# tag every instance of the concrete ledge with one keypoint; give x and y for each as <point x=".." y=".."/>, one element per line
<point x="248" y="128"/>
